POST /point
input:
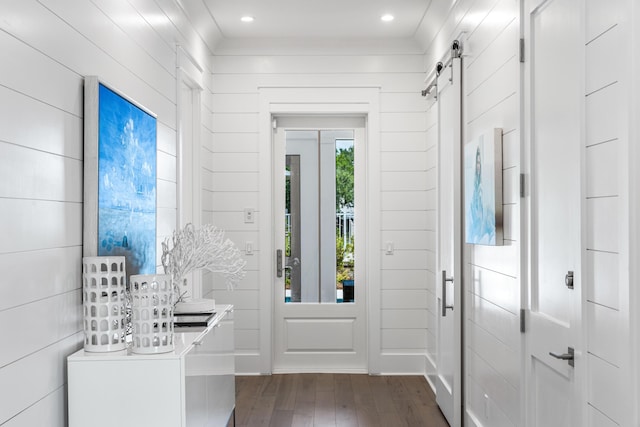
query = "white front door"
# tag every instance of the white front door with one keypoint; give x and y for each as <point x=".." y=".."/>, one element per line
<point x="554" y="70"/>
<point x="319" y="307"/>
<point x="449" y="254"/>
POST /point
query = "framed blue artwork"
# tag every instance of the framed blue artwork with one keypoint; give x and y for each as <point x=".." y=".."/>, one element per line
<point x="120" y="178"/>
<point x="483" y="189"/>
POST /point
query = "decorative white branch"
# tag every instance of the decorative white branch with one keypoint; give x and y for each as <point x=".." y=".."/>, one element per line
<point x="190" y="249"/>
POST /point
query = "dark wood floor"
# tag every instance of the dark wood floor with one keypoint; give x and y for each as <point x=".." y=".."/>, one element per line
<point x="335" y="400"/>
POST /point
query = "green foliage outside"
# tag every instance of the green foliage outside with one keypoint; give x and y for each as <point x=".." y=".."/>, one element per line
<point x="344" y="178"/>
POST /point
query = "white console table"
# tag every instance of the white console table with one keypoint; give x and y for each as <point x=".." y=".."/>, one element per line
<point x="192" y="386"/>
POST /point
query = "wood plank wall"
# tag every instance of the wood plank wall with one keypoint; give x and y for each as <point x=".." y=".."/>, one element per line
<point x="47" y="47"/>
<point x="405" y="171"/>
<point x="606" y="141"/>
<point x="491" y="78"/>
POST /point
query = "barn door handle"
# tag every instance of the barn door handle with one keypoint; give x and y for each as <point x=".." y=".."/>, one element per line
<point x="568" y="356"/>
<point x="445" y="279"/>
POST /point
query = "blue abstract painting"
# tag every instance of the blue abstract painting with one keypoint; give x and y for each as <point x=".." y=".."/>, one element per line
<point x="126" y="182"/>
<point x="483" y="189"/>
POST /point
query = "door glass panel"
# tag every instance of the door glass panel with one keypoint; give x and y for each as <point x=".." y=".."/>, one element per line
<point x="319" y="217"/>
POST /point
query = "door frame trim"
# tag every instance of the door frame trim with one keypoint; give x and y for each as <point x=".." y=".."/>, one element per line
<point x="335" y="101"/>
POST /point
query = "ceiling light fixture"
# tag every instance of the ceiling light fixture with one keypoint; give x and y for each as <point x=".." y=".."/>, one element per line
<point x="387" y="18"/>
<point x="247" y="19"/>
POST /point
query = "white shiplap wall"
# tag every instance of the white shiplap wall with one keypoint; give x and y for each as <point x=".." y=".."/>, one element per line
<point x="404" y="185"/>
<point x="48" y="46"/>
<point x="606" y="309"/>
<point x="491" y="76"/>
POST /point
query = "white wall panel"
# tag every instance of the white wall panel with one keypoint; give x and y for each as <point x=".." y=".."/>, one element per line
<point x="58" y="268"/>
<point x="595" y="418"/>
<point x="504" y="258"/>
<point x="246" y="319"/>
<point x="602" y="115"/>
<point x="34" y="80"/>
<point x="404" y="279"/>
<point x="235" y="122"/>
<point x="48" y="367"/>
<point x="495" y="353"/>
<point x="511" y="222"/>
<point x="497" y="288"/>
<point x="403" y="161"/>
<point x="502" y="324"/>
<point x="602" y="16"/>
<point x="404" y="200"/>
<point x="404" y="220"/>
<point x="603" y="278"/>
<point x="403" y="240"/>
<point x="38" y="175"/>
<point x="394" y="102"/>
<point x="234" y="181"/>
<point x="504" y="114"/>
<point x="24" y="227"/>
<point x="603" y="379"/>
<point x="136" y="27"/>
<point x="505" y="396"/>
<point x="318" y="64"/>
<point x="247" y="339"/>
<point x="404" y="259"/>
<point x="235" y="221"/>
<point x="235" y="162"/>
<point x="56" y="131"/>
<point x="235" y="103"/>
<point x="396" y="339"/>
<point x="234" y="201"/>
<point x="247" y="83"/>
<point x="404" y="181"/>
<point x="402" y="141"/>
<point x="602" y="227"/>
<point x="510" y="149"/>
<point x="501" y="50"/>
<point x="403" y="299"/>
<point x="605" y="339"/>
<point x="63" y="318"/>
<point x="50" y="410"/>
<point x="603" y="166"/>
<point x="510" y="186"/>
<point x="500" y="86"/>
<point x="402" y="122"/>
<point x="235" y="143"/>
<point x="398" y="319"/>
<point x="604" y="59"/>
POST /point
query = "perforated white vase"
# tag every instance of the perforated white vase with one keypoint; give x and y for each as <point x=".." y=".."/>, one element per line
<point x="151" y="313"/>
<point x="103" y="287"/>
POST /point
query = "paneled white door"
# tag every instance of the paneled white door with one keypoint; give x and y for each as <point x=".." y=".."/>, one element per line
<point x="314" y="329"/>
<point x="554" y="68"/>
<point x="449" y="250"/>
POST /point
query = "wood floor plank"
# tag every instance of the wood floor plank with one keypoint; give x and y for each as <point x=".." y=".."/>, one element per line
<point x="286" y="396"/>
<point x="344" y="400"/>
<point x="325" y="410"/>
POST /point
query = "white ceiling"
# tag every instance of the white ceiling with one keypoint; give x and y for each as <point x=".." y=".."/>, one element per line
<point x="317" y="18"/>
<point x="334" y="21"/>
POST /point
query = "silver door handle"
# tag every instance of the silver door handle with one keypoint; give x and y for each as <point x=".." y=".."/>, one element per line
<point x="279" y="263"/>
<point x="568" y="356"/>
<point x="445" y="279"/>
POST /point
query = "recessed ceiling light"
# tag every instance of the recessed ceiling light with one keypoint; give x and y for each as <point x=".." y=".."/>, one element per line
<point x="387" y="18"/>
<point x="247" y="19"/>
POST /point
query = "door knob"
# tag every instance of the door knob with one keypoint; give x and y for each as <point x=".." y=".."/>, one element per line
<point x="568" y="279"/>
<point x="568" y="356"/>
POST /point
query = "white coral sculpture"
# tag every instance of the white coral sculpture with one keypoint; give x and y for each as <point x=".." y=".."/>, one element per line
<point x="191" y="249"/>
